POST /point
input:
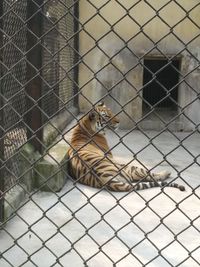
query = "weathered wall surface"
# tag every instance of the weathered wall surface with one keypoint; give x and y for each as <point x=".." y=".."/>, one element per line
<point x="114" y="39"/>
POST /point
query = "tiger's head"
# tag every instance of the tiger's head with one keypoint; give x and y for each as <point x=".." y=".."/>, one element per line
<point x="101" y="117"/>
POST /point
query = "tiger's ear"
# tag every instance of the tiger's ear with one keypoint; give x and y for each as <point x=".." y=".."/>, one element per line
<point x="101" y="104"/>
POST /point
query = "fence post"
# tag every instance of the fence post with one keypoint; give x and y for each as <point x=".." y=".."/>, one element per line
<point x="1" y="120"/>
<point x="34" y="81"/>
<point x="76" y="51"/>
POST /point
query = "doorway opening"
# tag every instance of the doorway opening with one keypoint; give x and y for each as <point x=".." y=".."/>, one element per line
<point x="160" y="90"/>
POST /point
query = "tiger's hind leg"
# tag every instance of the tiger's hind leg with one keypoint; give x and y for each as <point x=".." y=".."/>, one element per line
<point x="133" y="174"/>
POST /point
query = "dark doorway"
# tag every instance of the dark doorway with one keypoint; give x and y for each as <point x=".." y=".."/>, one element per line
<point x="157" y="90"/>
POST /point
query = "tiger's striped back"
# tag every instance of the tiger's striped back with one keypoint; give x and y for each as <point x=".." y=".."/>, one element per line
<point x="91" y="161"/>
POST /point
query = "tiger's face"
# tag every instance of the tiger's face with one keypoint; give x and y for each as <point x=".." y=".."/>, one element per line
<point x="102" y="117"/>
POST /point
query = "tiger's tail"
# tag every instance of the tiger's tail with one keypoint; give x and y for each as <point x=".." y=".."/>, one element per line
<point x="145" y="185"/>
<point x="125" y="187"/>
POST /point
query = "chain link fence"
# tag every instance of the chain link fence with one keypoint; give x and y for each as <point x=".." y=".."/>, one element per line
<point x="58" y="45"/>
<point x="12" y="81"/>
<point x="59" y="58"/>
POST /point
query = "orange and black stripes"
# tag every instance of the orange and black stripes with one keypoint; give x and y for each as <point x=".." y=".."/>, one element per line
<point x="91" y="162"/>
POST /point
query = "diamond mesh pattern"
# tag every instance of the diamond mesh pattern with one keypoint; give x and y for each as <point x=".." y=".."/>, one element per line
<point x="87" y="49"/>
<point x="58" y="55"/>
<point x="12" y="81"/>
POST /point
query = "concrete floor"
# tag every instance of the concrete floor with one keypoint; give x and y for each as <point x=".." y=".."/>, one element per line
<point x="82" y="224"/>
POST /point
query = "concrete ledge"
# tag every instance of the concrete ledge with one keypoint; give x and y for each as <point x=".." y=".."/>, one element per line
<point x="26" y="183"/>
<point x="58" y="124"/>
<point x="27" y="158"/>
<point x="13" y="199"/>
<point x="51" y="171"/>
<point x="47" y="173"/>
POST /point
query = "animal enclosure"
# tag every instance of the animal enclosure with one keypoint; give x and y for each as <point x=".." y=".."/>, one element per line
<point x="58" y="60"/>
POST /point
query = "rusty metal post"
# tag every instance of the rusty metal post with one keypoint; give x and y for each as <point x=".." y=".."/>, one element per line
<point x="1" y="120"/>
<point x="76" y="51"/>
<point x="34" y="64"/>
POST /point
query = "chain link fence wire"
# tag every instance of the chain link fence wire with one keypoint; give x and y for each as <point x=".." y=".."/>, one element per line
<point x="57" y="72"/>
<point x="13" y="78"/>
<point x="58" y="46"/>
<point x="57" y="54"/>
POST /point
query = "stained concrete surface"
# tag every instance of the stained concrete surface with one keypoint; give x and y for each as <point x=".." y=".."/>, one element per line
<point x="82" y="224"/>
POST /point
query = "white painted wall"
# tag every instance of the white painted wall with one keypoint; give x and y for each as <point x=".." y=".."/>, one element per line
<point x="114" y="38"/>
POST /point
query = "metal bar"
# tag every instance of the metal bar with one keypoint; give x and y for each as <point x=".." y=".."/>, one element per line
<point x="34" y="63"/>
<point x="1" y="121"/>
<point x="76" y="51"/>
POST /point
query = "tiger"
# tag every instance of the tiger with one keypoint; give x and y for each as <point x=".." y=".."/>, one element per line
<point x="91" y="161"/>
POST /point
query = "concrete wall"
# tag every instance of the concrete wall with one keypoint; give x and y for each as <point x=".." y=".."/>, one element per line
<point x="114" y="41"/>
